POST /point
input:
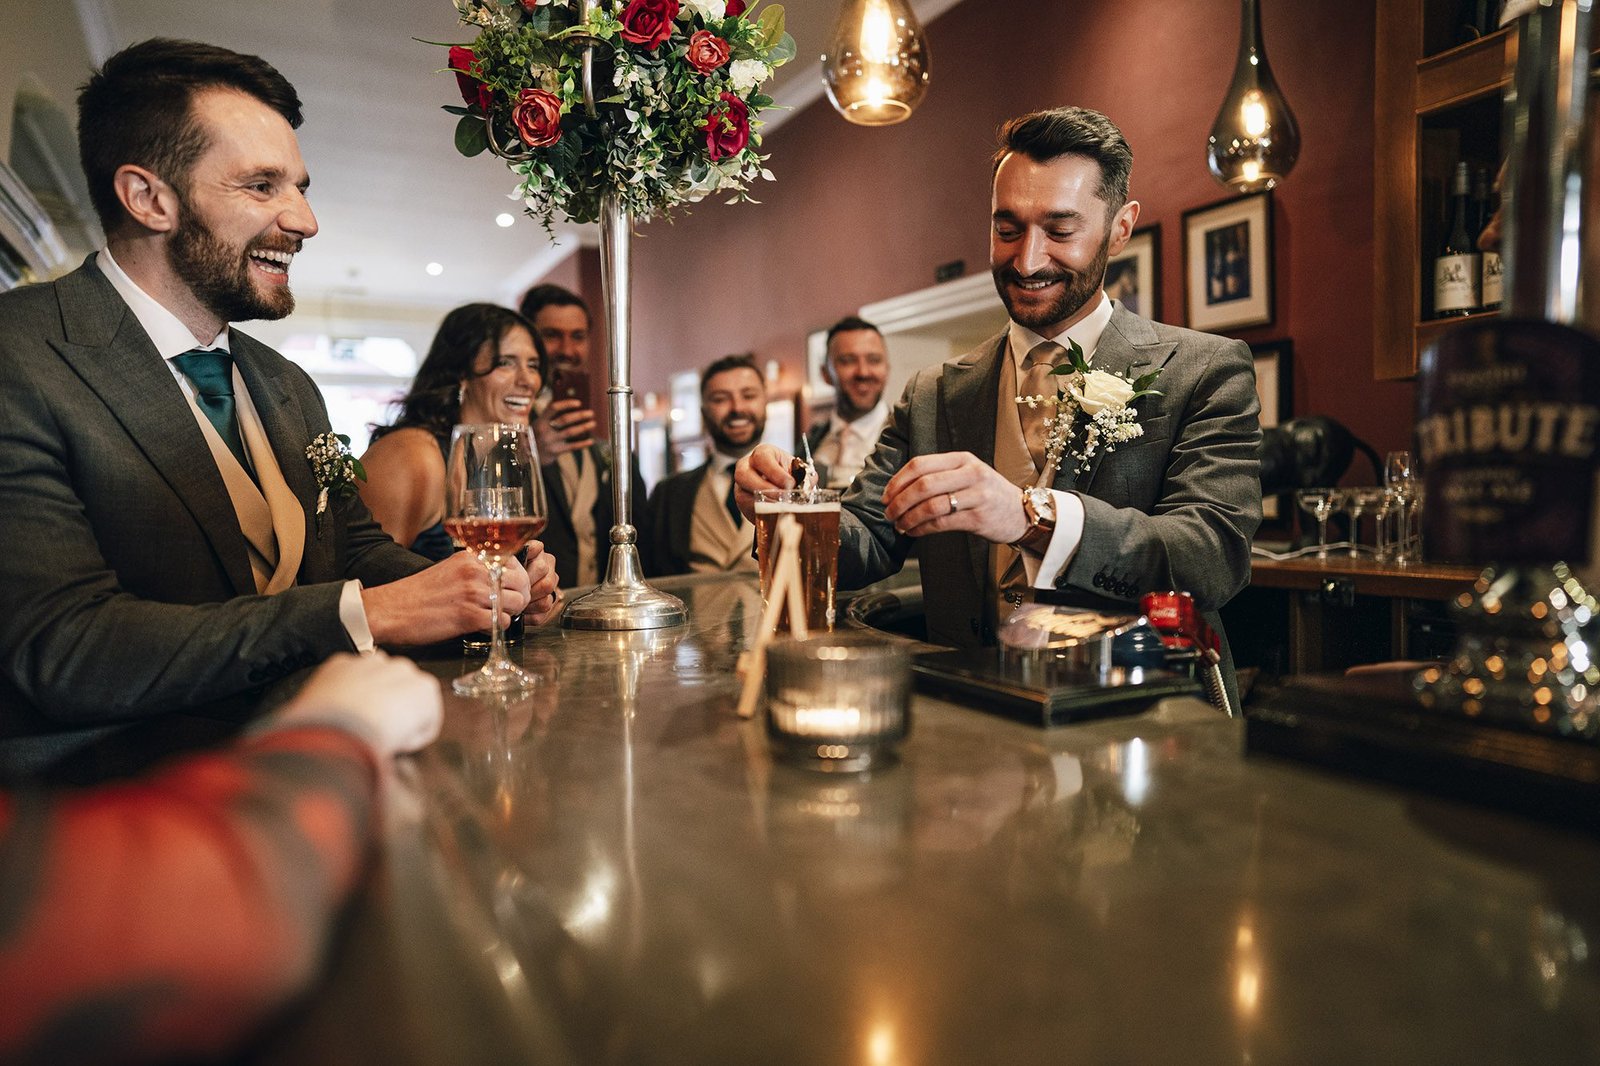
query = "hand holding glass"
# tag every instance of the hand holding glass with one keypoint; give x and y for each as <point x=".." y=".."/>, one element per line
<point x="496" y="505"/>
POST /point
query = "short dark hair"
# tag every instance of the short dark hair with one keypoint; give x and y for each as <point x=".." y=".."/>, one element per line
<point x="539" y="297"/>
<point x="1046" y="135"/>
<point x="434" y="400"/>
<point x="745" y="361"/>
<point x="138" y="108"/>
<point x="848" y="324"/>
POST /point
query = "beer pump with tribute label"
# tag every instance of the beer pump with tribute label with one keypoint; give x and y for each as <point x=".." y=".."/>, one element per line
<point x="1509" y="418"/>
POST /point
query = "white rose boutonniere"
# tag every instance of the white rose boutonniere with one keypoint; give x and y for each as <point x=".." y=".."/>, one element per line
<point x="335" y="469"/>
<point x="1106" y="400"/>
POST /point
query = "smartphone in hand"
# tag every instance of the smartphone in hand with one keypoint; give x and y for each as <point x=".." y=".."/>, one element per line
<point x="567" y="383"/>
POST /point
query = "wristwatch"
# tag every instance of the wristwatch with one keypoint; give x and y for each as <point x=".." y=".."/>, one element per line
<point x="1039" y="505"/>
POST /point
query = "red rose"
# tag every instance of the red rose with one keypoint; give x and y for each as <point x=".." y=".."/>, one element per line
<point x="473" y="91"/>
<point x="727" y="128"/>
<point x="648" y="22"/>
<point x="537" y="116"/>
<point x="707" y="51"/>
<point x="735" y="8"/>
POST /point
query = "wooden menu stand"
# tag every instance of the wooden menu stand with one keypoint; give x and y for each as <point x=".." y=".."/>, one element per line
<point x="785" y="588"/>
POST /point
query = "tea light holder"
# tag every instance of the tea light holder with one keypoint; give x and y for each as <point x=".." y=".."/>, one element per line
<point x="837" y="702"/>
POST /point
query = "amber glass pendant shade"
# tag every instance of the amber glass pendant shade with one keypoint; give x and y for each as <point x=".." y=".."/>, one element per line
<point x="1255" y="141"/>
<point x="876" y="67"/>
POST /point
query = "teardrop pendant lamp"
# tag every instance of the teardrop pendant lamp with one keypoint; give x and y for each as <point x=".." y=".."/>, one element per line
<point x="1255" y="141"/>
<point x="876" y="66"/>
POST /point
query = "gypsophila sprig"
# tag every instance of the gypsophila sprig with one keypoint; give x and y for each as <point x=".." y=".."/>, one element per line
<point x="678" y="88"/>
<point x="1106" y="401"/>
<point x="335" y="469"/>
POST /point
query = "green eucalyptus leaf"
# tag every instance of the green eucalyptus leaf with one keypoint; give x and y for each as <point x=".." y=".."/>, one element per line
<point x="771" y="23"/>
<point x="361" y="471"/>
<point x="455" y="109"/>
<point x="1142" y="384"/>
<point x="472" y="138"/>
<point x="783" y="50"/>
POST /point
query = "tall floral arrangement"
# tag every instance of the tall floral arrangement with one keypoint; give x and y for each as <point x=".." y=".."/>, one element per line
<point x="678" y="83"/>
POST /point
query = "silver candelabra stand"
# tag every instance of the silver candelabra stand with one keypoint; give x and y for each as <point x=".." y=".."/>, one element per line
<point x="624" y="600"/>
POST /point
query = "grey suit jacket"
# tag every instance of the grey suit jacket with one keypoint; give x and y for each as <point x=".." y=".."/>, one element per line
<point x="125" y="584"/>
<point x="1173" y="509"/>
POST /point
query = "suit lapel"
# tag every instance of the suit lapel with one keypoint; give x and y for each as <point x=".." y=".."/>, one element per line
<point x="108" y="349"/>
<point x="1129" y="347"/>
<point x="970" y="400"/>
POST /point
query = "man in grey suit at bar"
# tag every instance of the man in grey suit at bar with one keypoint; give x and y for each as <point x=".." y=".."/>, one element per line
<point x="962" y="468"/>
<point x="162" y="542"/>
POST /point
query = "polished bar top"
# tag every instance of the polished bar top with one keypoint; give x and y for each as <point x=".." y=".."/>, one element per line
<point x="615" y="871"/>
<point x="1369" y="577"/>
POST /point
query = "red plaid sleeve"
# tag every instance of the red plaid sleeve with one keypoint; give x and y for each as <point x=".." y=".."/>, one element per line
<point x="169" y="915"/>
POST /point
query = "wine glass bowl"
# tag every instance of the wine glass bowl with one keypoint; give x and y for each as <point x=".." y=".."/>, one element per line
<point x="1319" y="503"/>
<point x="495" y="506"/>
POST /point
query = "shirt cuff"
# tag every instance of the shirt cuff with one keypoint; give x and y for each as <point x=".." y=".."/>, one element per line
<point x="1043" y="571"/>
<point x="353" y="616"/>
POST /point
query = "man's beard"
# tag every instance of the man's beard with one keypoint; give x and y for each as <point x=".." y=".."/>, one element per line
<point x="219" y="276"/>
<point x="1080" y="289"/>
<point x="727" y="445"/>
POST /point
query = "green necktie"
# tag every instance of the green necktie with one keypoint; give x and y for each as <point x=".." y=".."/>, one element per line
<point x="212" y="374"/>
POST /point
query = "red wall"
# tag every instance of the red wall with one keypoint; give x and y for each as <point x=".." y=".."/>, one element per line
<point x="859" y="215"/>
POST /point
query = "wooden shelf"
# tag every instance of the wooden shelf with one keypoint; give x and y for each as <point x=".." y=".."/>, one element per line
<point x="1414" y="90"/>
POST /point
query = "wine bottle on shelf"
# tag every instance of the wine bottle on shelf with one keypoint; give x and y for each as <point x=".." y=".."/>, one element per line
<point x="1490" y="268"/>
<point x="1456" y="275"/>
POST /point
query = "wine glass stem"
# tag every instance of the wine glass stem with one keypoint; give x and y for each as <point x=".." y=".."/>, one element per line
<point x="497" y="633"/>
<point x="1403" y="537"/>
<point x="1322" y="534"/>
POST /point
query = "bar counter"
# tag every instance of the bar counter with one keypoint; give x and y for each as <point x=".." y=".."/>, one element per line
<point x="615" y="871"/>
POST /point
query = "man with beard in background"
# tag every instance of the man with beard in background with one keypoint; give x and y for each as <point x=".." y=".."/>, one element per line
<point x="962" y="466"/>
<point x="168" y="546"/>
<point x="695" y="525"/>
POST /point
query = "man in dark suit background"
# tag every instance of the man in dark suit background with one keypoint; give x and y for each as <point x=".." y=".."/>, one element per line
<point x="695" y="525"/>
<point x="962" y="467"/>
<point x="857" y="366"/>
<point x="577" y="468"/>
<point x="162" y="543"/>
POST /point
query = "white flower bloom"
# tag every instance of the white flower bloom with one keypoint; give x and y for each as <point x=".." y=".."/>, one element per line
<point x="1101" y="391"/>
<point x="746" y="74"/>
<point x="706" y="9"/>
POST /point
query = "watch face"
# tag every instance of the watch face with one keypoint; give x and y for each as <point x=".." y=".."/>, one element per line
<point x="1044" y="504"/>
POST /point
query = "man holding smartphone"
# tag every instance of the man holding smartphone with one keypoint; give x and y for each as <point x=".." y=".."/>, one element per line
<point x="577" y="467"/>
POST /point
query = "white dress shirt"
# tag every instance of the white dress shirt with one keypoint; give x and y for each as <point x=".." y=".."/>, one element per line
<point x="172" y="338"/>
<point x="845" y="448"/>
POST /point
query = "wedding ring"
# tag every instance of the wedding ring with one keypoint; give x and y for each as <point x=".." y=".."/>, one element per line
<point x="954" y="506"/>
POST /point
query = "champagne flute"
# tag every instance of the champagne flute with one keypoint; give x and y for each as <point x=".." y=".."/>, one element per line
<point x="1320" y="503"/>
<point x="495" y="501"/>
<point x="1400" y="479"/>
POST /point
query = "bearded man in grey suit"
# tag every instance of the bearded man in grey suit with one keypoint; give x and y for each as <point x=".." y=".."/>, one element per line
<point x="163" y="546"/>
<point x="962" y="467"/>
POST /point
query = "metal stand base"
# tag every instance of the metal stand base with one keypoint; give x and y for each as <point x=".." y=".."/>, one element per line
<point x="1525" y="655"/>
<point x="623" y="600"/>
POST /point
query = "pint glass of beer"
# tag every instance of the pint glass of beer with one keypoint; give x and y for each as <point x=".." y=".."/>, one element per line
<point x="818" y="515"/>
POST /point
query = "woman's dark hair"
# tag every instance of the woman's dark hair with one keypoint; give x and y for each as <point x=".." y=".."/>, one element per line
<point x="434" y="400"/>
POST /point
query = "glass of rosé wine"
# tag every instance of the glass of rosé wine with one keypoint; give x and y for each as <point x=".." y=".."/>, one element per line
<point x="495" y="506"/>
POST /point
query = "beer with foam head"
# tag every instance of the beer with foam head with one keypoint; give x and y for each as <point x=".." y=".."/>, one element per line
<point x="818" y="515"/>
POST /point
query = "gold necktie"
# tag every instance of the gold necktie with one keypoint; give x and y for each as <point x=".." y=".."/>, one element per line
<point x="1038" y="381"/>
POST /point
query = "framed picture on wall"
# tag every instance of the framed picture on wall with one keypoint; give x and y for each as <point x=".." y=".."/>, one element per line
<point x="1275" y="389"/>
<point x="1133" y="278"/>
<point x="1227" y="264"/>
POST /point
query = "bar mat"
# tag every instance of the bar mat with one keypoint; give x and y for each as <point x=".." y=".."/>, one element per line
<point x="1041" y="693"/>
<point x="1373" y="727"/>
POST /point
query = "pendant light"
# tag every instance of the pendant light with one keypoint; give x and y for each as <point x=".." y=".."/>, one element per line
<point x="876" y="66"/>
<point x="1254" y="141"/>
